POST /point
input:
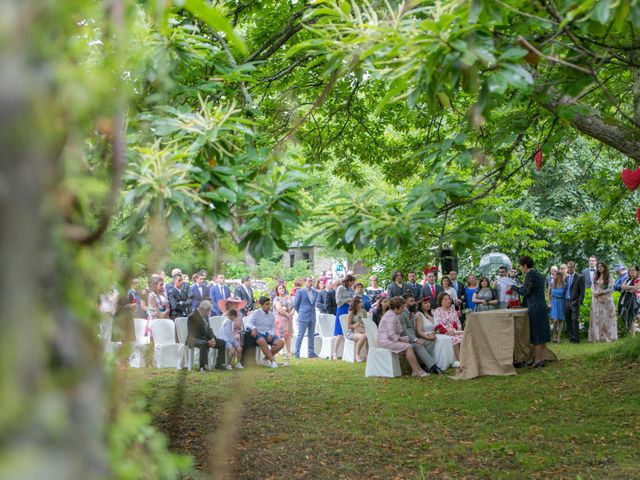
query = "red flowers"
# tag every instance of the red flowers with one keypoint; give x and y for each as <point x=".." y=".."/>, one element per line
<point x="538" y="158"/>
<point x="631" y="178"/>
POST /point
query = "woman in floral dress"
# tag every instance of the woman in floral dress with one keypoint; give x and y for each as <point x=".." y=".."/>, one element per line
<point x="447" y="323"/>
<point x="283" y="308"/>
<point x="603" y="322"/>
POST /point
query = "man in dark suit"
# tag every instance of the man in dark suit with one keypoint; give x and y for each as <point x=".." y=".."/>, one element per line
<point x="431" y="290"/>
<point x="330" y="301"/>
<point x="219" y="291"/>
<point x="397" y="287"/>
<point x="572" y="301"/>
<point x="178" y="294"/>
<point x="245" y="292"/>
<point x="199" y="291"/>
<point x="588" y="273"/>
<point x="414" y="286"/>
<point x="200" y="335"/>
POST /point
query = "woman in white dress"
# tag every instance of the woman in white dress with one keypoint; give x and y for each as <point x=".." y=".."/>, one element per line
<point x="443" y="352"/>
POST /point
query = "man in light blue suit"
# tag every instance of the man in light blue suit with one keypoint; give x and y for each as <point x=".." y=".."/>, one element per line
<point x="219" y="291"/>
<point x="305" y="304"/>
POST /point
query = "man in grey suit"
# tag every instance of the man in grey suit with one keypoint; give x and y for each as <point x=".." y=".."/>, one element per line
<point x="422" y="346"/>
<point x="588" y="273"/>
<point x="305" y="304"/>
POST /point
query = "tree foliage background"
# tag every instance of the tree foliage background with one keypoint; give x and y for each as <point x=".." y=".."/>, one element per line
<point x="384" y="129"/>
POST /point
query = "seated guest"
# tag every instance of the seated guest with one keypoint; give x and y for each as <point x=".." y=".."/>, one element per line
<point x="355" y="326"/>
<point x="200" y="335"/>
<point x="423" y="347"/>
<point x="447" y="323"/>
<point x="262" y="324"/>
<point x="379" y="307"/>
<point x="227" y="333"/>
<point x="389" y="336"/>
<point x="425" y="328"/>
<point x="485" y="298"/>
<point x="373" y="290"/>
<point x="358" y="290"/>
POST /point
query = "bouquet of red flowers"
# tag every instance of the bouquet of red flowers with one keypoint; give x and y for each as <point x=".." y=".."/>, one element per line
<point x="443" y="330"/>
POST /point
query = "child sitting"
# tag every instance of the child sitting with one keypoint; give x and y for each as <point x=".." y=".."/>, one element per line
<point x="228" y="335"/>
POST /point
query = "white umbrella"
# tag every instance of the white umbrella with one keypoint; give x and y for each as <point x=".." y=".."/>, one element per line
<point x="490" y="263"/>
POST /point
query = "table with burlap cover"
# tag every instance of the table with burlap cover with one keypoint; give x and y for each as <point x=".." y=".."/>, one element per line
<point x="493" y="341"/>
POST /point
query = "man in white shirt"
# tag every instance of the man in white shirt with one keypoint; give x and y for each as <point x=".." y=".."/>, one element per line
<point x="503" y="283"/>
<point x="262" y="324"/>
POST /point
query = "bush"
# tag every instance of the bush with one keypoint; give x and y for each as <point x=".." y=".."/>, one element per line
<point x="236" y="270"/>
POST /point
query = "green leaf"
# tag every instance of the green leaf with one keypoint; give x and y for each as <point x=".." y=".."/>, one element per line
<point x="602" y="11"/>
<point x="216" y="20"/>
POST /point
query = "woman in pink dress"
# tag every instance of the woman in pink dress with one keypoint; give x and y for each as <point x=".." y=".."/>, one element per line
<point x="389" y="336"/>
<point x="446" y="320"/>
<point x="283" y="308"/>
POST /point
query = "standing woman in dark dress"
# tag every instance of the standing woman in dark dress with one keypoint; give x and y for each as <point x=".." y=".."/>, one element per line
<point x="533" y="291"/>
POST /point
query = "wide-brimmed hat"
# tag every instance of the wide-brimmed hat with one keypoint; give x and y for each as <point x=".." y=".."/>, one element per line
<point x="231" y="302"/>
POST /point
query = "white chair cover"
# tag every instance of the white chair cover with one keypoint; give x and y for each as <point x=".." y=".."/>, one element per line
<point x="380" y="361"/>
<point x="166" y="352"/>
<point x="325" y="327"/>
<point x="216" y="324"/>
<point x="349" y="351"/>
<point x="141" y="341"/>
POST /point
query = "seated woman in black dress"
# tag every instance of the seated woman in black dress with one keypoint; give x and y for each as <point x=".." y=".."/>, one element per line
<point x="533" y="290"/>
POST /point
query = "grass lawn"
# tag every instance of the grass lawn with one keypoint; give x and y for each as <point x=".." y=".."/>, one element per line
<point x="578" y="418"/>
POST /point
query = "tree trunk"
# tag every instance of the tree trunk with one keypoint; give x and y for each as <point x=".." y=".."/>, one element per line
<point x="51" y="390"/>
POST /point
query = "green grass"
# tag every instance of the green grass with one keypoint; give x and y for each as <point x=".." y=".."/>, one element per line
<point x="578" y="418"/>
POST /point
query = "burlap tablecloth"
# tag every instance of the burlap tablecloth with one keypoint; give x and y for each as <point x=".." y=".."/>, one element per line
<point x="492" y="341"/>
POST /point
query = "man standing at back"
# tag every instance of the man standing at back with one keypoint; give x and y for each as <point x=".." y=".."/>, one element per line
<point x="431" y="290"/>
<point x="414" y="287"/>
<point x="219" y="291"/>
<point x="573" y="299"/>
<point x="199" y="290"/>
<point x="245" y="292"/>
<point x="397" y="287"/>
<point x="305" y="304"/>
<point x="588" y="273"/>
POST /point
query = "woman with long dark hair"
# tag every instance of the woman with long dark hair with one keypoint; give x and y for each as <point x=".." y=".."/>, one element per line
<point x="603" y="321"/>
<point x="630" y="299"/>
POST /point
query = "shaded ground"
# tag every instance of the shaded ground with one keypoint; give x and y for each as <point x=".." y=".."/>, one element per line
<point x="323" y="419"/>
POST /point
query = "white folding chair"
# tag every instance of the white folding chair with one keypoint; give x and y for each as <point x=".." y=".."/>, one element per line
<point x="216" y="323"/>
<point x="349" y="350"/>
<point x="185" y="354"/>
<point x="325" y="325"/>
<point x="166" y="352"/>
<point x="106" y="335"/>
<point x="140" y="343"/>
<point x="380" y="361"/>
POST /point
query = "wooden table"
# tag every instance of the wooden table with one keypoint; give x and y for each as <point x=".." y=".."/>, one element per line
<point x="493" y="341"/>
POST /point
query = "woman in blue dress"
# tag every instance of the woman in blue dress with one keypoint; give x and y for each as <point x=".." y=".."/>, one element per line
<point x="344" y="297"/>
<point x="557" y="292"/>
<point x="469" y="290"/>
<point x="534" y="290"/>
